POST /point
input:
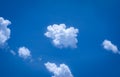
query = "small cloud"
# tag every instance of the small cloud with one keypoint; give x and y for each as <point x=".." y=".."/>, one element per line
<point x="24" y="52"/>
<point x="108" y="45"/>
<point x="62" y="36"/>
<point x="39" y="59"/>
<point x="61" y="71"/>
<point x="4" y="30"/>
<point x="12" y="52"/>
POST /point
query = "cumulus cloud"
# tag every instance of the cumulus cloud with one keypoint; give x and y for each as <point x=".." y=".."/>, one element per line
<point x="61" y="71"/>
<point x="24" y="52"/>
<point x="108" y="45"/>
<point x="4" y="30"/>
<point x="62" y="36"/>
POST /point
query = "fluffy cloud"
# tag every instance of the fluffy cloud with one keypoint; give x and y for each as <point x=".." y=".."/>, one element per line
<point x="24" y="52"/>
<point x="62" y="36"/>
<point x="109" y="46"/>
<point x="61" y="71"/>
<point x="4" y="30"/>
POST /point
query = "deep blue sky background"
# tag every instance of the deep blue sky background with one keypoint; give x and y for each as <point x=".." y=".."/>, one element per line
<point x="96" y="21"/>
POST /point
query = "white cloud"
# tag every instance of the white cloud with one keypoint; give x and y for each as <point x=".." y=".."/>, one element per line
<point x="24" y="52"/>
<point x="62" y="36"/>
<point x="4" y="30"/>
<point x="61" y="71"/>
<point x="109" y="46"/>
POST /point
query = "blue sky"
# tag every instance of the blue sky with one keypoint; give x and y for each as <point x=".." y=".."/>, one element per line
<point x="96" y="21"/>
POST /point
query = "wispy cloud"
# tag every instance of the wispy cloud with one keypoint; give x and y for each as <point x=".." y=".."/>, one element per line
<point x="61" y="71"/>
<point x="24" y="52"/>
<point x="12" y="52"/>
<point x="4" y="30"/>
<point x="62" y="36"/>
<point x="108" y="45"/>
